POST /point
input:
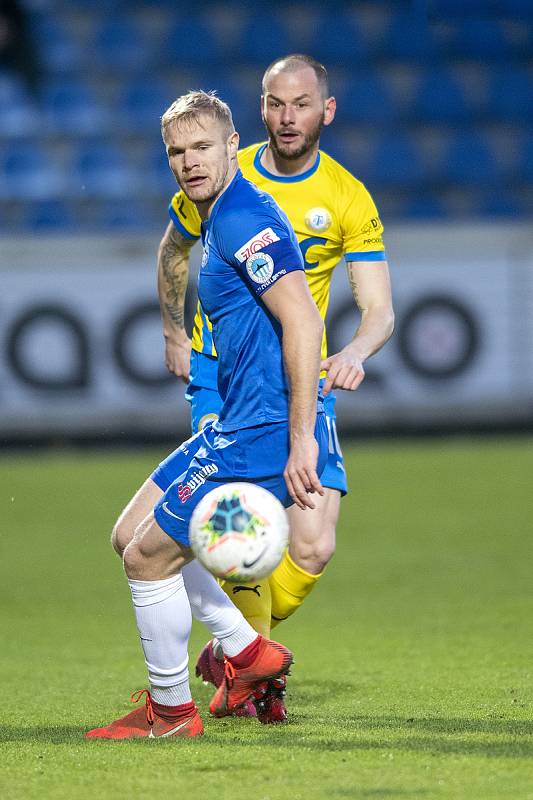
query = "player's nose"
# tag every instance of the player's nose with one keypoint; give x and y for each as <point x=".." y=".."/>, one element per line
<point x="288" y="116"/>
<point x="190" y="159"/>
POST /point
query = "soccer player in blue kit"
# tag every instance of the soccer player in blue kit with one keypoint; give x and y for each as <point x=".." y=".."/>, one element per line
<point x="271" y="428"/>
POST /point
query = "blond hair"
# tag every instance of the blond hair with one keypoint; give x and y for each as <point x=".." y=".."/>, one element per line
<point x="193" y="105"/>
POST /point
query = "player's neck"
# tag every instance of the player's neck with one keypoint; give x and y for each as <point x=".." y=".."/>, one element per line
<point x="277" y="165"/>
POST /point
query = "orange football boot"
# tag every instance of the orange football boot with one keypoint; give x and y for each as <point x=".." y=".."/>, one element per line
<point x="146" y="723"/>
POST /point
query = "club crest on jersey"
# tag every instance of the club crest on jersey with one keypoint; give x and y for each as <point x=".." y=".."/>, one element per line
<point x="318" y="219"/>
<point x="260" y="267"/>
<point x="260" y="240"/>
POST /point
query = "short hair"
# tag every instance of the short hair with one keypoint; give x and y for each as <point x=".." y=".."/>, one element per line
<point x="189" y="107"/>
<point x="296" y="61"/>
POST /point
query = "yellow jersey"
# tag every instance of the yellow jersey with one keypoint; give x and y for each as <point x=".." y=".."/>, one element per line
<point x="332" y="214"/>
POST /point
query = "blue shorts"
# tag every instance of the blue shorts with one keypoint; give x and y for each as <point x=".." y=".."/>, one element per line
<point x="257" y="455"/>
<point x="206" y="404"/>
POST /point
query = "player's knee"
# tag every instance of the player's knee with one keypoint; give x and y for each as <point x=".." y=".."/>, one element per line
<point x="133" y="561"/>
<point x="312" y="555"/>
<point x="121" y="536"/>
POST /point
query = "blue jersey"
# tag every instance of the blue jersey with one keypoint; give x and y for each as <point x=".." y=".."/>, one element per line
<point x="248" y="245"/>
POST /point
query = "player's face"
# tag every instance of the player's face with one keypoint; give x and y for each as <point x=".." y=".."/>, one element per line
<point x="294" y="111"/>
<point x="199" y="154"/>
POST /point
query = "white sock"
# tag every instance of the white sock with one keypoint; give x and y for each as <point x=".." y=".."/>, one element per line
<point x="164" y="621"/>
<point x="212" y="606"/>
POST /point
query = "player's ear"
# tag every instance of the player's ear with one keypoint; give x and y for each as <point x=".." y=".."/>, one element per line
<point x="263" y="107"/>
<point x="233" y="144"/>
<point x="330" y="106"/>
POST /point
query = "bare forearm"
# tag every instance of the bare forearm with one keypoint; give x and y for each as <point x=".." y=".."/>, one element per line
<point x="302" y="340"/>
<point x="172" y="280"/>
<point x="372" y="293"/>
<point x="377" y="325"/>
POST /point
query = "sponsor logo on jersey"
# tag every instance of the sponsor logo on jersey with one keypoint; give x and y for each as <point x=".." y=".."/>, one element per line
<point x="318" y="219"/>
<point x="197" y="479"/>
<point x="260" y="267"/>
<point x="375" y="240"/>
<point x="373" y="225"/>
<point x="273" y="279"/>
<point x="260" y="240"/>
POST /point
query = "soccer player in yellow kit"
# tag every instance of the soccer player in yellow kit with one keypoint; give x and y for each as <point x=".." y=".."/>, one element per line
<point x="333" y="215"/>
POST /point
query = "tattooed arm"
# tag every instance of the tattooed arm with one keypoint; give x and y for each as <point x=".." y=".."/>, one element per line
<point x="371" y="290"/>
<point x="172" y="279"/>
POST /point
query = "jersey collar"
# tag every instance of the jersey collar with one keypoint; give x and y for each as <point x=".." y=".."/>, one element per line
<point x="280" y="178"/>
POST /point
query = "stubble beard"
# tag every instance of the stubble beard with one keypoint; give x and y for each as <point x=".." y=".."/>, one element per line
<point x="308" y="143"/>
<point x="211" y="194"/>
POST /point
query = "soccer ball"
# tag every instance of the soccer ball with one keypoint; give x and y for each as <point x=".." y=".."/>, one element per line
<point x="239" y="532"/>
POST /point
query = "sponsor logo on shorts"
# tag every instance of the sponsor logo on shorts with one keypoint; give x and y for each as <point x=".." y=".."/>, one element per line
<point x="373" y="225"/>
<point x="318" y="219"/>
<point x="168" y="511"/>
<point x="197" y="479"/>
<point x="260" y="240"/>
<point x="260" y="267"/>
<point x="211" y="417"/>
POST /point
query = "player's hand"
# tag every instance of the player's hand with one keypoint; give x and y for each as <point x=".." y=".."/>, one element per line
<point x="345" y="371"/>
<point x="300" y="473"/>
<point x="178" y="357"/>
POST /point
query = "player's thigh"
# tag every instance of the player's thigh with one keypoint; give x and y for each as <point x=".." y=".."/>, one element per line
<point x="313" y="531"/>
<point x="152" y="554"/>
<point x="134" y="513"/>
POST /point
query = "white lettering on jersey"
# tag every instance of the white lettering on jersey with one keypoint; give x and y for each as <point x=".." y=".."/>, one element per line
<point x="260" y="240"/>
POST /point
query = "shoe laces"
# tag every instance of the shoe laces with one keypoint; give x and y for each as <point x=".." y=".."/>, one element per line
<point x="230" y="672"/>
<point x="136" y="696"/>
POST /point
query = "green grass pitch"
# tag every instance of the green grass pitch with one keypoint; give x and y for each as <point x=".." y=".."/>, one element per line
<point x="414" y="656"/>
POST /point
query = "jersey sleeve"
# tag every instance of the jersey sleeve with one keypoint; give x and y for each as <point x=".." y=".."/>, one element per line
<point x="262" y="249"/>
<point x="362" y="227"/>
<point x="184" y="215"/>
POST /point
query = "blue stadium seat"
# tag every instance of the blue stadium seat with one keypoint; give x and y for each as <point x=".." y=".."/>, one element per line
<point x="526" y="159"/>
<point x="54" y="46"/>
<point x="191" y="42"/>
<point x="396" y="161"/>
<point x="409" y="38"/>
<point x="48" y="215"/>
<point x="28" y="173"/>
<point x="143" y="102"/>
<point x="511" y="95"/>
<point x="366" y="98"/>
<point x="120" y="43"/>
<point x="440" y="98"/>
<point x="337" y="39"/>
<point x="263" y="39"/>
<point x="481" y="38"/>
<point x="71" y="107"/>
<point x="101" y="170"/>
<point x="124" y="214"/>
<point x="474" y="8"/>
<point x="18" y="114"/>
<point x="156" y="171"/>
<point x="469" y="160"/>
<point x="499" y="203"/>
<point x="424" y="206"/>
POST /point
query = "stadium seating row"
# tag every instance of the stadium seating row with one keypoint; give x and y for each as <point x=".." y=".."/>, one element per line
<point x="134" y="42"/>
<point x="434" y="101"/>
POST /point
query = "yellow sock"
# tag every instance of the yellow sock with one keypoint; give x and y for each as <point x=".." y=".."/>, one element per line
<point x="253" y="601"/>
<point x="289" y="586"/>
